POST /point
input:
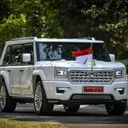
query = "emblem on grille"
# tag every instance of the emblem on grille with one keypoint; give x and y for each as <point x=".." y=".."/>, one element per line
<point x="90" y="74"/>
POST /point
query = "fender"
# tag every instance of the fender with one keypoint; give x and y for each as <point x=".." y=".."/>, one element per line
<point x="6" y="80"/>
<point x="36" y="73"/>
<point x="39" y="73"/>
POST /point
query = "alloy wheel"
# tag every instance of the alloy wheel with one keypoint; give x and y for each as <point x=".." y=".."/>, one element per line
<point x="3" y="96"/>
<point x="38" y="98"/>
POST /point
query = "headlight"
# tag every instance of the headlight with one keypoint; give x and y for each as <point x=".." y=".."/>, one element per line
<point x="60" y="72"/>
<point x="119" y="73"/>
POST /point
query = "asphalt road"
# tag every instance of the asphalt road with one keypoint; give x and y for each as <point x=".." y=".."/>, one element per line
<point x="86" y="115"/>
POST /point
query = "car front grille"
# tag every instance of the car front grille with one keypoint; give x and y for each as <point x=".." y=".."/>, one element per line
<point x="87" y="76"/>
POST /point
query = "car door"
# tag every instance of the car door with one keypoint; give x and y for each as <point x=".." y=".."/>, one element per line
<point x="26" y="80"/>
<point x="12" y="69"/>
<point x="14" y="80"/>
<point x="25" y="70"/>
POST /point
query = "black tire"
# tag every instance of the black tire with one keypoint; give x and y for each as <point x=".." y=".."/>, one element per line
<point x="116" y="108"/>
<point x="41" y="104"/>
<point x="7" y="104"/>
<point x="71" y="108"/>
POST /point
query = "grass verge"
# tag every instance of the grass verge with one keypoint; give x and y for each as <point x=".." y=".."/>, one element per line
<point x="6" y="123"/>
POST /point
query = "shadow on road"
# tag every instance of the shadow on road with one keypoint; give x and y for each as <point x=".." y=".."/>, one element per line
<point x="66" y="118"/>
<point x="86" y="115"/>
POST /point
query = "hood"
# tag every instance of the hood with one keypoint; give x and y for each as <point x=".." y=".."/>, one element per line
<point x="73" y="64"/>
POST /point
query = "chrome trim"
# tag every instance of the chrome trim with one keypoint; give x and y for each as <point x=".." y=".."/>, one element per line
<point x="97" y="76"/>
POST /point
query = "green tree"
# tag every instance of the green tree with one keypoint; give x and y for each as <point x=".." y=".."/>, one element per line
<point x="103" y="19"/>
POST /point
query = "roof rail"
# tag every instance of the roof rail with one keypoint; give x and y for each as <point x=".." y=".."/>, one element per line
<point x="89" y="38"/>
<point x="24" y="38"/>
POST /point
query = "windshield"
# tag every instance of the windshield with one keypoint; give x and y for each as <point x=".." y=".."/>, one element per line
<point x="57" y="51"/>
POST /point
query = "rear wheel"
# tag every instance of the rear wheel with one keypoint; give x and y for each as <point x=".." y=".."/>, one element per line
<point x="116" y="108"/>
<point x="41" y="104"/>
<point x="7" y="104"/>
<point x="71" y="108"/>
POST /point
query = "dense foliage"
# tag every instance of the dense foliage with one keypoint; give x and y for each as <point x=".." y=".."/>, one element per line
<point x="103" y="19"/>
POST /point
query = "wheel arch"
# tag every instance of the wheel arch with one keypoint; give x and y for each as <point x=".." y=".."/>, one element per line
<point x="37" y="75"/>
<point x="4" y="78"/>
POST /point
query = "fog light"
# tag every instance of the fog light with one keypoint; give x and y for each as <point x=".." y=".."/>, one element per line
<point x="62" y="89"/>
<point x="120" y="90"/>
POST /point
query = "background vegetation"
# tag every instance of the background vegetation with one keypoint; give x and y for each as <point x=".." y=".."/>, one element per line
<point x="103" y="19"/>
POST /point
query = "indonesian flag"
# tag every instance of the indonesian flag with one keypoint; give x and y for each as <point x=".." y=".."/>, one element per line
<point x="83" y="56"/>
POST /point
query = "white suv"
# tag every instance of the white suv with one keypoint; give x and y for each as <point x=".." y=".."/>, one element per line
<point x="44" y="71"/>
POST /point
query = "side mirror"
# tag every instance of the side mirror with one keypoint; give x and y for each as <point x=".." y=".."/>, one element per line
<point x="26" y="57"/>
<point x="112" y="57"/>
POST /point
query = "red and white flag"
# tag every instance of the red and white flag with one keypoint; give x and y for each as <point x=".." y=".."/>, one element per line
<point x="83" y="56"/>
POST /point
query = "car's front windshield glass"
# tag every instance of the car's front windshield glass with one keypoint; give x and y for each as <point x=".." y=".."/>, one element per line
<point x="57" y="51"/>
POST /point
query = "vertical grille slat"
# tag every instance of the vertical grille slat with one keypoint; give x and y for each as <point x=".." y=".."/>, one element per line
<point x="80" y="76"/>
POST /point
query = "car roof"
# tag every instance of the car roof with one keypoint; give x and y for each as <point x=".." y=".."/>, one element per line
<point x="55" y="40"/>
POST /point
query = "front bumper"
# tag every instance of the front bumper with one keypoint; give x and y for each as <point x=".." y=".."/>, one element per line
<point x="73" y="93"/>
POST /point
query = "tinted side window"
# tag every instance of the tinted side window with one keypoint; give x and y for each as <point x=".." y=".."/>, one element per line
<point x="16" y="54"/>
<point x="13" y="55"/>
<point x="7" y="57"/>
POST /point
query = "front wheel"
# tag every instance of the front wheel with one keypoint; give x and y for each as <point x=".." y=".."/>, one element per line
<point x="71" y="108"/>
<point x="116" y="108"/>
<point x="7" y="104"/>
<point x="41" y="104"/>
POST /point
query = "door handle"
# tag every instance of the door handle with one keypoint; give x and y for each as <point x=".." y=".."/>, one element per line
<point x="21" y="70"/>
<point x="9" y="70"/>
